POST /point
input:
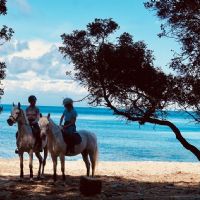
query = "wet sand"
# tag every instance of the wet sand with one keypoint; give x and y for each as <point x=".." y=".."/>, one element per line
<point x="121" y="180"/>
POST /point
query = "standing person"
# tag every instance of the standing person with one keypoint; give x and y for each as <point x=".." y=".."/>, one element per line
<point x="33" y="115"/>
<point x="69" y="115"/>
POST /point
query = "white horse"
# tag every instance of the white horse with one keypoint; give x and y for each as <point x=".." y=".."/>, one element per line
<point x="57" y="146"/>
<point x="26" y="141"/>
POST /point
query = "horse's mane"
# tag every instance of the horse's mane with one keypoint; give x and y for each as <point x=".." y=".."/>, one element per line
<point x="25" y="117"/>
<point x="56" y="128"/>
<point x="53" y="123"/>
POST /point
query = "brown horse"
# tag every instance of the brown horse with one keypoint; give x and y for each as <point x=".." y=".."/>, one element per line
<point x="26" y="141"/>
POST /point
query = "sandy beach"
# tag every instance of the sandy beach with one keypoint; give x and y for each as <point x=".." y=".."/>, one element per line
<point x="121" y="180"/>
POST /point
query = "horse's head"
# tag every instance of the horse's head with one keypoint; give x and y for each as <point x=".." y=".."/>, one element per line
<point x="44" y="125"/>
<point x="15" y="114"/>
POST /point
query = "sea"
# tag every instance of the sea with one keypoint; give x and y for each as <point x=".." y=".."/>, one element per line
<point x="118" y="140"/>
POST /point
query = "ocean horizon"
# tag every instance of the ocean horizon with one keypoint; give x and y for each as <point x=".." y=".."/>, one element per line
<point x="118" y="139"/>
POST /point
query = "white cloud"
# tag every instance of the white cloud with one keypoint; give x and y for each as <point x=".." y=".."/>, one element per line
<point x="37" y="67"/>
<point x="35" y="49"/>
<point x="48" y="92"/>
<point x="39" y="56"/>
<point x="38" y="84"/>
<point x="13" y="46"/>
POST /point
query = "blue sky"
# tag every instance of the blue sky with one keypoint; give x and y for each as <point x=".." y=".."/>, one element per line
<point x="34" y="64"/>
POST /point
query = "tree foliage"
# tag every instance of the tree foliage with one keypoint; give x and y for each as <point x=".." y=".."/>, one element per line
<point x="3" y="8"/>
<point x="122" y="72"/>
<point x="5" y="35"/>
<point x="122" y="75"/>
<point x="182" y="22"/>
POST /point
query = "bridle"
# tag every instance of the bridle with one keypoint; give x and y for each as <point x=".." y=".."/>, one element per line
<point x="44" y="135"/>
<point x="14" y="119"/>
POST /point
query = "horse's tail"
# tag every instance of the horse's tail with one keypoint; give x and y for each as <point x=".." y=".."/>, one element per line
<point x="96" y="155"/>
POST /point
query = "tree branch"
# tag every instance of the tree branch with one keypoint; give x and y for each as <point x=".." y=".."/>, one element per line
<point x="176" y="131"/>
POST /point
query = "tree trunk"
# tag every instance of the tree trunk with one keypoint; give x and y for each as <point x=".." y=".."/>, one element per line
<point x="178" y="134"/>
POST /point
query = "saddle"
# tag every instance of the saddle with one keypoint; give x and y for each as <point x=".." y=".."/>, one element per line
<point x="71" y="139"/>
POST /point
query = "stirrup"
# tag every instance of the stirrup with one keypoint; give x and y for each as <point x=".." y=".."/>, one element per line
<point x="16" y="151"/>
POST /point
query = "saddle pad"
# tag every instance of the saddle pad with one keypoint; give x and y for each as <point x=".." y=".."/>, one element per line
<point x="73" y="138"/>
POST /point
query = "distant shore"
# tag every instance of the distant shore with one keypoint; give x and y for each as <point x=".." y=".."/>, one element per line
<point x="121" y="180"/>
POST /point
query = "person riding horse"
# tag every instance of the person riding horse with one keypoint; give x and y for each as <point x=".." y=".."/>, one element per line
<point x="33" y="115"/>
<point x="69" y="115"/>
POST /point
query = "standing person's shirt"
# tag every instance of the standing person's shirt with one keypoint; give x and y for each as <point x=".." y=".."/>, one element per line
<point x="33" y="114"/>
<point x="68" y="116"/>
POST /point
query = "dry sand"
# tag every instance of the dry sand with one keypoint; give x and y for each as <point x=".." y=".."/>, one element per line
<point x="121" y="180"/>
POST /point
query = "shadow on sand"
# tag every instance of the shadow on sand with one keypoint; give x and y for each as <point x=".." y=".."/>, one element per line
<point x="113" y="188"/>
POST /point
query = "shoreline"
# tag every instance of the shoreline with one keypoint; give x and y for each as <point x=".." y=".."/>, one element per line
<point x="106" y="161"/>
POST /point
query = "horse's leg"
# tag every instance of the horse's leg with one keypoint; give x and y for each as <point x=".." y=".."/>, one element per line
<point x="44" y="159"/>
<point x="54" y="159"/>
<point x="21" y="165"/>
<point x="62" y="161"/>
<point x="86" y="160"/>
<point x="31" y="164"/>
<point x="93" y="159"/>
<point x="40" y="163"/>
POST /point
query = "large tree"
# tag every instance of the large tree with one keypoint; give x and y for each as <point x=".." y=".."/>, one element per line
<point x="181" y="21"/>
<point x="5" y="35"/>
<point x="122" y="75"/>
